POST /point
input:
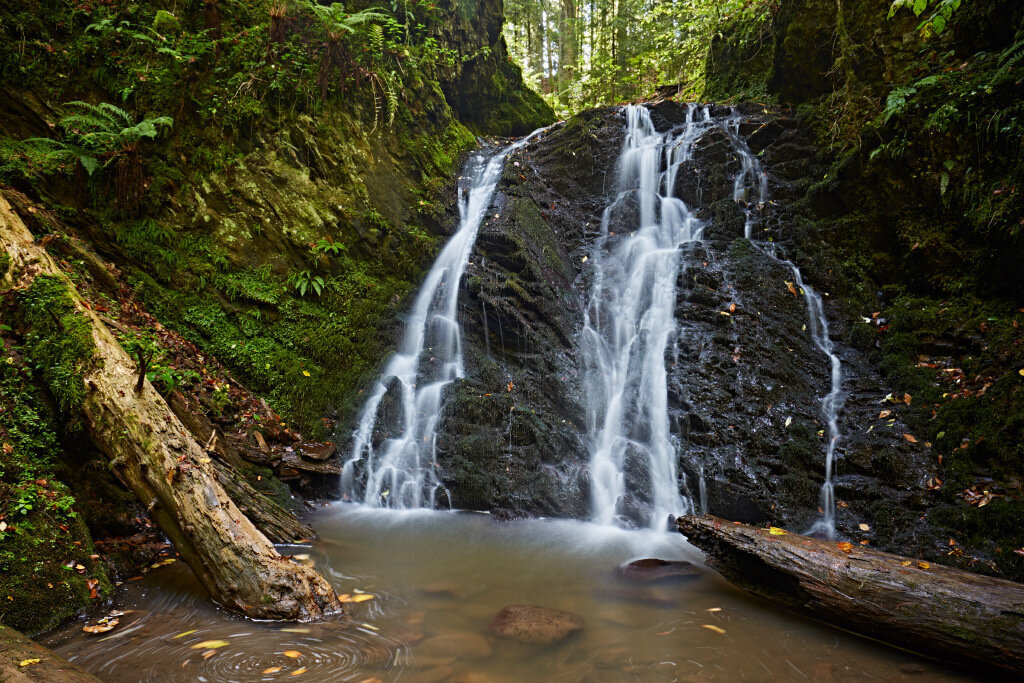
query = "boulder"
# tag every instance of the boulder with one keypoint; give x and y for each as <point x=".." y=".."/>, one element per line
<point x="535" y="625"/>
<point x="651" y="570"/>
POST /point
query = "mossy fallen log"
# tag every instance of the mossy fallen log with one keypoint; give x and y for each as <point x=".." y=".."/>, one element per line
<point x="968" y="619"/>
<point x="154" y="455"/>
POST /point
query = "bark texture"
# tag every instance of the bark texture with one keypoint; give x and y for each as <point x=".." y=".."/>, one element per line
<point x="154" y="454"/>
<point x="965" y="618"/>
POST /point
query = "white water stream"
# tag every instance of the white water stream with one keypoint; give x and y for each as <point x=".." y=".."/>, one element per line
<point x="631" y="320"/>
<point x="400" y="471"/>
<point x="832" y="402"/>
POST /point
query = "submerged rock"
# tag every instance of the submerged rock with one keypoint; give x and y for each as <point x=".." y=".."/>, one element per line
<point x="535" y="625"/>
<point x="651" y="570"/>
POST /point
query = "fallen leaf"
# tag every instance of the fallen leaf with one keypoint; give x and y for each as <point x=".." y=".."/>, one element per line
<point x="910" y="438"/>
<point x="732" y="308"/>
<point x="273" y="670"/>
<point x="790" y="287"/>
<point x="906" y="563"/>
<point x="789" y="421"/>
<point x="305" y="373"/>
<point x="864" y="527"/>
<point x="294" y="654"/>
<point x="299" y="671"/>
<point x="295" y="630"/>
<point x="776" y="531"/>
<point x="923" y="565"/>
<point x="907" y="398"/>
<point x="209" y="645"/>
<point x="711" y="627"/>
<point x="8" y="448"/>
<point x="1021" y="372"/>
<point x="845" y="546"/>
<point x="714" y="609"/>
<point x="864" y="542"/>
<point x="209" y="653"/>
<point x="182" y="635"/>
<point x="29" y="662"/>
<point x="884" y="414"/>
<point x="101" y="626"/>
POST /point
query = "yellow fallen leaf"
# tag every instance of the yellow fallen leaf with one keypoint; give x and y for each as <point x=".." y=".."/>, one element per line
<point x="209" y="645"/>
<point x="910" y="438"/>
<point x="923" y="565"/>
<point x="298" y="672"/>
<point x="864" y="527"/>
<point x="29" y="662"/>
<point x="186" y="633"/>
<point x="906" y="563"/>
<point x="845" y="546"/>
<point x="294" y="654"/>
<point x="273" y="670"/>
<point x="714" y="609"/>
<point x="790" y="287"/>
<point x="711" y="627"/>
<point x="102" y="626"/>
<point x="305" y="373"/>
<point x="776" y="531"/>
<point x="1021" y="372"/>
<point x="362" y="597"/>
<point x="209" y="653"/>
<point x="295" y="630"/>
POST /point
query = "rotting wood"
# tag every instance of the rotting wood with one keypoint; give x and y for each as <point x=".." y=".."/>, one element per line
<point x="968" y="619"/>
<point x="153" y="453"/>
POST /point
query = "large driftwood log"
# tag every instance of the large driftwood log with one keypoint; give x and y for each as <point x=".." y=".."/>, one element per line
<point x="949" y="614"/>
<point x="159" y="460"/>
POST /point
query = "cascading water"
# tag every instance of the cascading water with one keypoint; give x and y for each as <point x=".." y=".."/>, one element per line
<point x="753" y="207"/>
<point x="400" y="471"/>
<point x="630" y="321"/>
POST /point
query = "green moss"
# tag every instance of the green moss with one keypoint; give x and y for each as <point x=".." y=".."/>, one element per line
<point x="44" y="540"/>
<point x="58" y="339"/>
<point x="5" y="263"/>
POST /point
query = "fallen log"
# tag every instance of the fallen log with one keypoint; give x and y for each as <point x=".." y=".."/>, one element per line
<point x="154" y="455"/>
<point x="934" y="610"/>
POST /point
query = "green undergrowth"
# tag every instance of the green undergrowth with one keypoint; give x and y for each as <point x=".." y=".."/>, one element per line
<point x="45" y="547"/>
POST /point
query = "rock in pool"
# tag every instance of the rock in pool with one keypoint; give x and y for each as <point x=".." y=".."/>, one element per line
<point x="651" y="570"/>
<point x="534" y="625"/>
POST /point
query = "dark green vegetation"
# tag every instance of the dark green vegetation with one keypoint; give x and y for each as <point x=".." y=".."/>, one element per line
<point x="917" y="111"/>
<point x="269" y="179"/>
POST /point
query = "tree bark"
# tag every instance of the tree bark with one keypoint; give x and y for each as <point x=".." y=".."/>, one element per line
<point x="946" y="613"/>
<point x="152" y="452"/>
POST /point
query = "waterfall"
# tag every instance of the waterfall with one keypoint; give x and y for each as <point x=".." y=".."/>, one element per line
<point x="630" y="321"/>
<point x="832" y="402"/>
<point x="400" y="470"/>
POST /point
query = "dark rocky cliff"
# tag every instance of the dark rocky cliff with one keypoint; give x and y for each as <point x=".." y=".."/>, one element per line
<point x="745" y="384"/>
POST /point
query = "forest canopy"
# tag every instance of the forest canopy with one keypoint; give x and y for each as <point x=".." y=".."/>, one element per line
<point x="582" y="53"/>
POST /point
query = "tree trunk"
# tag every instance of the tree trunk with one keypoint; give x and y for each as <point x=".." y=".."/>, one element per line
<point x="156" y="457"/>
<point x="965" y="618"/>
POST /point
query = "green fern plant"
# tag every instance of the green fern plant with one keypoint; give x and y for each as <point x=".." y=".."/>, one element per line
<point x="97" y="136"/>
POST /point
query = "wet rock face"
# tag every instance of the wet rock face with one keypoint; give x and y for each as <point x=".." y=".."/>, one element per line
<point x="745" y="380"/>
<point x="654" y="570"/>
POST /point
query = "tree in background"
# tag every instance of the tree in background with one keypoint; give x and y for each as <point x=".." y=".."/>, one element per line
<point x="582" y="53"/>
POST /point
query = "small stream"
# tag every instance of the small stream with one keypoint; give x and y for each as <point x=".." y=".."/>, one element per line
<point x="447" y="574"/>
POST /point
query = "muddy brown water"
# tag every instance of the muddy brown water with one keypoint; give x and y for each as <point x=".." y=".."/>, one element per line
<point x="437" y="580"/>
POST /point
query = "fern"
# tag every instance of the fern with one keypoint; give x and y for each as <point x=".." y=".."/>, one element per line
<point x="1009" y="59"/>
<point x="376" y="36"/>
